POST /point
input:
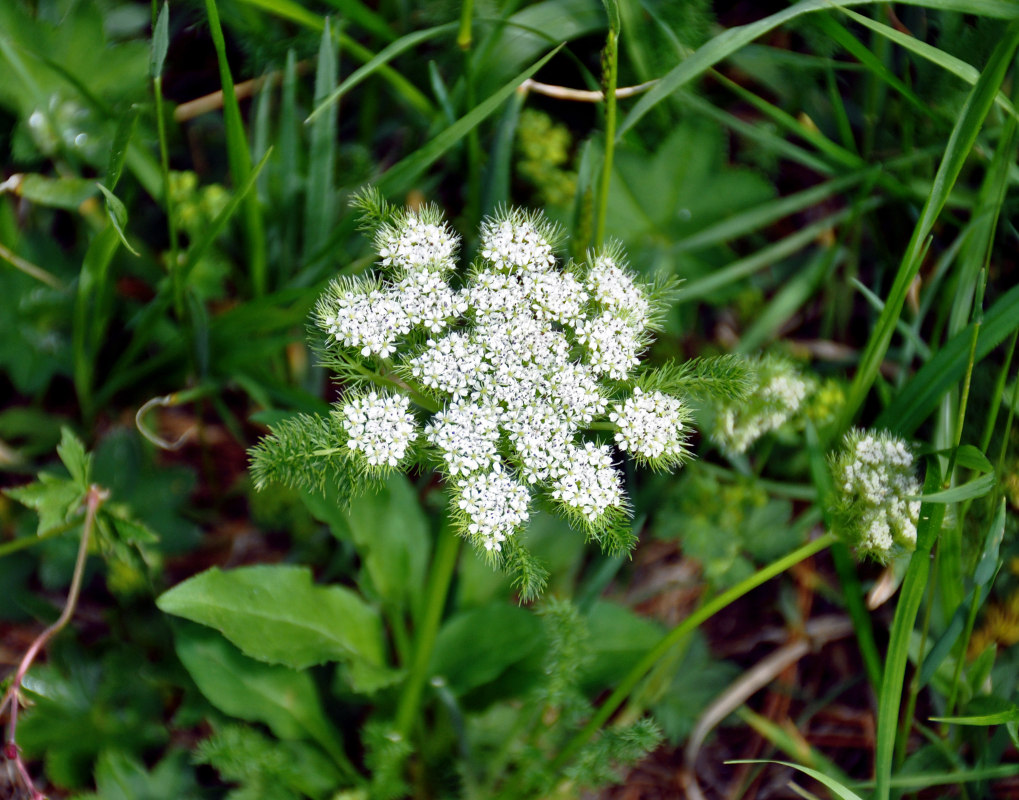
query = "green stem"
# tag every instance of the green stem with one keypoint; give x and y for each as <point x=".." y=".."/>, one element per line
<point x="29" y="541"/>
<point x="611" y="82"/>
<point x="441" y="575"/>
<point x="680" y="632"/>
<point x="171" y="222"/>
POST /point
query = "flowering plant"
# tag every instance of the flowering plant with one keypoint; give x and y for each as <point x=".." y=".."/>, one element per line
<point x="519" y="380"/>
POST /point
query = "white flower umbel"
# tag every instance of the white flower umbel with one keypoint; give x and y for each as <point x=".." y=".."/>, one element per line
<point x="653" y="428"/>
<point x="417" y="240"/>
<point x="590" y="486"/>
<point x="494" y="505"/>
<point x="518" y="242"/>
<point x="874" y="481"/>
<point x="369" y="320"/>
<point x="380" y="429"/>
<point x="616" y="290"/>
<point x="467" y="436"/>
<point x="779" y="395"/>
<point x="511" y="362"/>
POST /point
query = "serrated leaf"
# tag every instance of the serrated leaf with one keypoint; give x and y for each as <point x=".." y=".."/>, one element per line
<point x="160" y="41"/>
<point x="72" y="454"/>
<point x="54" y="499"/>
<point x="117" y="213"/>
<point x="277" y="615"/>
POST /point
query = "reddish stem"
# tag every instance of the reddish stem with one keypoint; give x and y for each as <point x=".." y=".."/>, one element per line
<point x="95" y="497"/>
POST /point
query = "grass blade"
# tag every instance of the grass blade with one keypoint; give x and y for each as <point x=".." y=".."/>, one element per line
<point x="960" y="143"/>
<point x="914" y="585"/>
<point x="318" y="209"/>
<point x="399" y="178"/>
<point x="239" y="156"/>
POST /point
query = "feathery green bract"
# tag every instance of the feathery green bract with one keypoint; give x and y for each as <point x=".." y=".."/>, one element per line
<point x="305" y="452"/>
<point x="719" y="378"/>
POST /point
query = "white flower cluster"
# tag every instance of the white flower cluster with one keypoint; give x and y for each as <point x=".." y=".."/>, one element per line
<point x="653" y="427"/>
<point x="380" y="427"/>
<point x="779" y="395"/>
<point x="516" y="361"/>
<point x="875" y="480"/>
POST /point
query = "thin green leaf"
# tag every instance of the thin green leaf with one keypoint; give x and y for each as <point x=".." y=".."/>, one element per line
<point x="998" y="718"/>
<point x="239" y="156"/>
<point x="977" y="487"/>
<point x="920" y="396"/>
<point x="914" y="586"/>
<point x="990" y="562"/>
<point x="970" y="457"/>
<point x="117" y="213"/>
<point x="612" y="10"/>
<point x="733" y="39"/>
<point x="319" y="200"/>
<point x="946" y="61"/>
<point x="91" y="312"/>
<point x="831" y="784"/>
<point x="160" y="41"/>
<point x="197" y="250"/>
<point x="400" y="177"/>
<point x="960" y="143"/>
<point x="386" y="55"/>
<point x="121" y="140"/>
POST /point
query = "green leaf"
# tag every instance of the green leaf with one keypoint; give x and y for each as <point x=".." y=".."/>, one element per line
<point x="91" y="312"/>
<point x="399" y="178"/>
<point x="946" y="368"/>
<point x="476" y="647"/>
<point x="66" y="193"/>
<point x="72" y="454"/>
<point x="977" y="487"/>
<point x="319" y="200"/>
<point x="120" y="776"/>
<point x="118" y="215"/>
<point x="54" y="499"/>
<point x="282" y="698"/>
<point x="612" y="10"/>
<point x="160" y="41"/>
<point x="121" y="141"/>
<point x="971" y="457"/>
<point x="999" y="718"/>
<point x="836" y="788"/>
<point x="276" y="614"/>
<point x="390" y="531"/>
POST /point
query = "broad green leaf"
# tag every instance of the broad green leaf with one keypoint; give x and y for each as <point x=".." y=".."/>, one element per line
<point x="475" y="647"/>
<point x="390" y="531"/>
<point x="66" y="193"/>
<point x="977" y="487"/>
<point x="282" y="698"/>
<point x="276" y="614"/>
<point x="160" y="41"/>
<point x="970" y="457"/>
<point x="117" y="213"/>
<point x="836" y="788"/>
<point x="618" y="637"/>
<point x="120" y="776"/>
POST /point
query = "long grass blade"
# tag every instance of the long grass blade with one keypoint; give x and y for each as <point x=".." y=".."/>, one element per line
<point x="318" y="209"/>
<point x="960" y="143"/>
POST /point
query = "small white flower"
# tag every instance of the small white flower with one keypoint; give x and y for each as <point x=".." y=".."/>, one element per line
<point x="616" y="291"/>
<point x="652" y="427"/>
<point x="875" y="480"/>
<point x="412" y="244"/>
<point x="467" y="436"/>
<point x="516" y="244"/>
<point x="494" y="505"/>
<point x="613" y="345"/>
<point x="370" y="320"/>
<point x="590" y="486"/>
<point x="380" y="427"/>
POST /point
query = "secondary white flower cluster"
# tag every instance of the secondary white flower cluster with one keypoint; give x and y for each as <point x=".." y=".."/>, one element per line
<point x="515" y="366"/>
<point x="779" y="395"/>
<point x="875" y="480"/>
